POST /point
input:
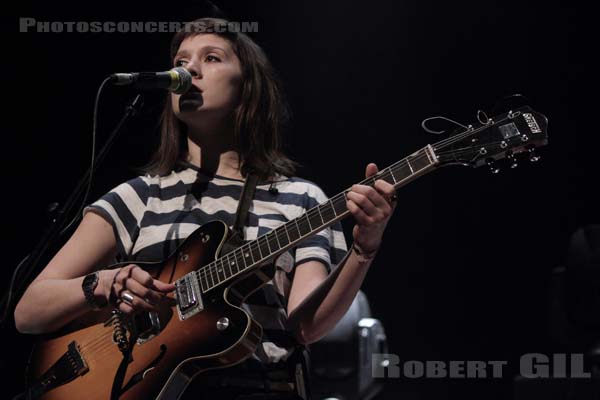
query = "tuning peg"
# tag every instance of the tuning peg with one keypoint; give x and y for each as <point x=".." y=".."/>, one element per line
<point x="512" y="160"/>
<point x="493" y="166"/>
<point x="533" y="156"/>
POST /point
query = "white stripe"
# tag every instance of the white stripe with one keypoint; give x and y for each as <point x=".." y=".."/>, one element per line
<point x="339" y="240"/>
<point x="309" y="252"/>
<point x="157" y="234"/>
<point x="289" y="211"/>
<point x="187" y="176"/>
<point x="131" y="200"/>
<point x="251" y="233"/>
<point x="210" y="205"/>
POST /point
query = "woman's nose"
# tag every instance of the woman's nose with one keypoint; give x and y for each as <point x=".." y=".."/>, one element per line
<point x="194" y="69"/>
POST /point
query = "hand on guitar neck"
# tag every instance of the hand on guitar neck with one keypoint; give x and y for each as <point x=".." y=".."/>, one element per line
<point x="372" y="207"/>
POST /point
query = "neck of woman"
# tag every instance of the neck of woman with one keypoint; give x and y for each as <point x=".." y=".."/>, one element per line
<point x="214" y="151"/>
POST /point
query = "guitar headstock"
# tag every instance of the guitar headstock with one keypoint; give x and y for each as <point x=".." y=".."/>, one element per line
<point x="506" y="135"/>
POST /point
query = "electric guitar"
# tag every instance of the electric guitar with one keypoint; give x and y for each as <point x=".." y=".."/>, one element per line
<point x="108" y="355"/>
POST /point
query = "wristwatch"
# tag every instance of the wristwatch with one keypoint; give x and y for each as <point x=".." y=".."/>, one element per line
<point x="89" y="284"/>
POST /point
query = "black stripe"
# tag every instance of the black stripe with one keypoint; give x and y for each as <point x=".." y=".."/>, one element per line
<point x="170" y="192"/>
<point x="314" y="241"/>
<point x="217" y="192"/>
<point x="195" y="216"/>
<point x="140" y="187"/>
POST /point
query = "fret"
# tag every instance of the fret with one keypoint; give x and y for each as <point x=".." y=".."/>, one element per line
<point x="320" y="215"/>
<point x="287" y="235"/>
<point x="409" y="166"/>
<point x="387" y="176"/>
<point x="247" y="256"/>
<point x="199" y="279"/>
<point x="226" y="264"/>
<point x="339" y="204"/>
<point x="232" y="263"/>
<point x="202" y="278"/>
<point x="197" y="276"/>
<point x="263" y="246"/>
<point x="308" y="221"/>
<point x="228" y="261"/>
<point x="426" y="150"/>
<point x="332" y="207"/>
<point x="293" y="232"/>
<point x="221" y="269"/>
<point x="238" y="260"/>
<point x="213" y="274"/>
<point x="392" y="175"/>
<point x="282" y="237"/>
<point x="401" y="171"/>
<point x="275" y="233"/>
<point x="207" y="275"/>
<point x="206" y="278"/>
<point x="420" y="161"/>
<point x="303" y="225"/>
<point x="272" y="242"/>
<point x="327" y="212"/>
<point x="314" y="219"/>
<point x="255" y="250"/>
<point x="370" y="181"/>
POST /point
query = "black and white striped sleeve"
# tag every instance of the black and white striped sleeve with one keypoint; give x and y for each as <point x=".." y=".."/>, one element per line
<point x="123" y="207"/>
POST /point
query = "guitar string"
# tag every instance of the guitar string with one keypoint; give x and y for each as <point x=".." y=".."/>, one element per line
<point x="254" y="246"/>
<point x="214" y="268"/>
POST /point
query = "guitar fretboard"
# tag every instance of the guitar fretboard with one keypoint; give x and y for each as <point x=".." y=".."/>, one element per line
<point x="286" y="236"/>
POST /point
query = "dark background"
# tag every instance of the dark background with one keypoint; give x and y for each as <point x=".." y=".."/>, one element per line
<point x="465" y="268"/>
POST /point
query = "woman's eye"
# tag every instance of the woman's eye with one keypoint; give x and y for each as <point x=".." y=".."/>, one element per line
<point x="179" y="63"/>
<point x="211" y="58"/>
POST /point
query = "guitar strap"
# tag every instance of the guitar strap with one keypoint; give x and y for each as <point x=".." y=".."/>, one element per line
<point x="236" y="239"/>
<point x="241" y="215"/>
<point x="299" y="361"/>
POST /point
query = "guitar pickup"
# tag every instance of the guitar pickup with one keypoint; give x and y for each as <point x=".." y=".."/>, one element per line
<point x="188" y="296"/>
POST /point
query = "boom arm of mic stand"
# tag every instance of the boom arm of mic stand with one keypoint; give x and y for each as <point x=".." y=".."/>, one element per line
<point x="52" y="232"/>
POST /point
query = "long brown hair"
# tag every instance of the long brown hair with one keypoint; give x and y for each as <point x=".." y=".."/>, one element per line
<point x="259" y="119"/>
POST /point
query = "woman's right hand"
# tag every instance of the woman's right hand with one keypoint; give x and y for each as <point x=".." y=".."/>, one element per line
<point x="131" y="289"/>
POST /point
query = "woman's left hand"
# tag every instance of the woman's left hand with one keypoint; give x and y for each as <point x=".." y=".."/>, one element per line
<point x="372" y="208"/>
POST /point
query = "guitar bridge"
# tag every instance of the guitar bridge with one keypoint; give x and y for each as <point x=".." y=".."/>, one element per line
<point x="188" y="296"/>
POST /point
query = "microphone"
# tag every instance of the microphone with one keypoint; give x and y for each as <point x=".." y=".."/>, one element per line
<point x="177" y="80"/>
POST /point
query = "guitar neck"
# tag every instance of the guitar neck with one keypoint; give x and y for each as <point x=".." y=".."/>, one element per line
<point x="288" y="235"/>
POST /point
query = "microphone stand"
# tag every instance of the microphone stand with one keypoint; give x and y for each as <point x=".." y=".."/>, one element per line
<point x="57" y="219"/>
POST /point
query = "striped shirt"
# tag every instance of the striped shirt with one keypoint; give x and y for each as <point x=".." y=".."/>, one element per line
<point x="152" y="215"/>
